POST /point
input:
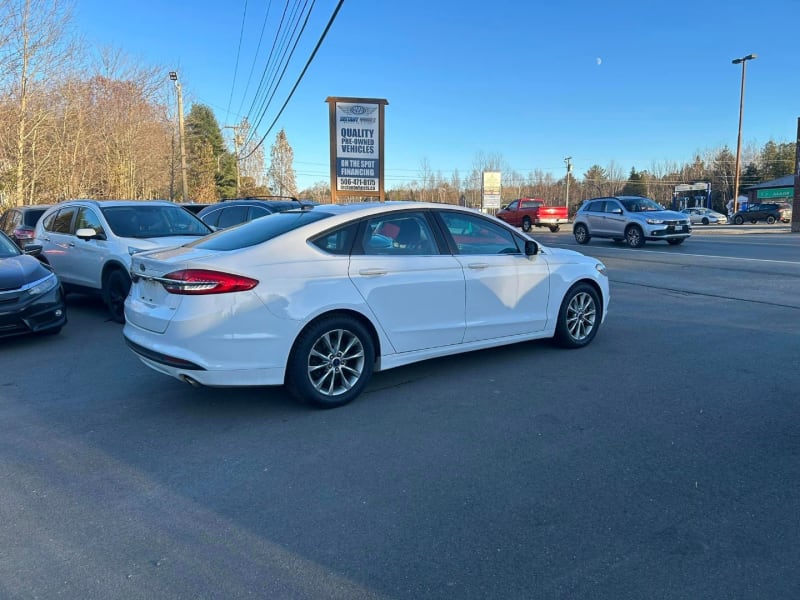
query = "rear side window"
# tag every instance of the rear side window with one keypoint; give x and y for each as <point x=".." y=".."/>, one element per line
<point x="63" y="220"/>
<point x="259" y="230"/>
<point x="338" y="242"/>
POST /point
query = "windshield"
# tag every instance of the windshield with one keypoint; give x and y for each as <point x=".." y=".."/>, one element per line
<point x="259" y="230"/>
<point x="151" y="221"/>
<point x="640" y="204"/>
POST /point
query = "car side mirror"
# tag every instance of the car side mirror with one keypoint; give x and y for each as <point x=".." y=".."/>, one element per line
<point x="88" y="233"/>
<point x="531" y="248"/>
<point x="32" y="249"/>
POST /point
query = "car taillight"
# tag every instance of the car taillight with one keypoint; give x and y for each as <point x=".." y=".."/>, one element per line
<point x="23" y="233"/>
<point x="198" y="282"/>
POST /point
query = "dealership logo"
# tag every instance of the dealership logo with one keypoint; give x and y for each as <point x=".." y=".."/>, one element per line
<point x="359" y="109"/>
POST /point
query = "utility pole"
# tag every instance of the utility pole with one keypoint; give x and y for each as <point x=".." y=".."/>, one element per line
<point x="568" y="162"/>
<point x="236" y="153"/>
<point x="173" y="75"/>
<point x="743" y="62"/>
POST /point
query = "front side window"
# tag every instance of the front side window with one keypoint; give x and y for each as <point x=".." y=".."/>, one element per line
<point x="475" y="235"/>
<point x="232" y="215"/>
<point x="88" y="219"/>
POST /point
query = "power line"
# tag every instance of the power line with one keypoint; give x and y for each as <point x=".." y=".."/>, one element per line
<point x="300" y="78"/>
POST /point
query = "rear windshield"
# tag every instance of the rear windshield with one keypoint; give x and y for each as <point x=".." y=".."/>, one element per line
<point x="259" y="230"/>
<point x="32" y="216"/>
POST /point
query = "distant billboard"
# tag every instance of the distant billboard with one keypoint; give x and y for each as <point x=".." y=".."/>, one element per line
<point x="491" y="189"/>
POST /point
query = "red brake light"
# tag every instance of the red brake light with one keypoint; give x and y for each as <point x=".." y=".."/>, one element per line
<point x="198" y="282"/>
<point x="23" y="233"/>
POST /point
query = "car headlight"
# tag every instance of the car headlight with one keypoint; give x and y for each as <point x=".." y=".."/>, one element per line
<point x="601" y="268"/>
<point x="655" y="221"/>
<point x="43" y="286"/>
<point x="132" y="250"/>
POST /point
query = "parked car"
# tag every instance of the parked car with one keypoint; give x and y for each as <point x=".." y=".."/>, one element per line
<point x="31" y="298"/>
<point x="319" y="298"/>
<point x="704" y="216"/>
<point x="769" y="212"/>
<point x="633" y="219"/>
<point x="785" y="211"/>
<point x="89" y="243"/>
<point x="194" y="207"/>
<point x="18" y="222"/>
<point x="228" y="213"/>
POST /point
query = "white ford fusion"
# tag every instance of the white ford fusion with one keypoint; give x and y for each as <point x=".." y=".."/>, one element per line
<point x="320" y="298"/>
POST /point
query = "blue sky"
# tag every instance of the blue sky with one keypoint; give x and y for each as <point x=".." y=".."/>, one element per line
<point x="635" y="83"/>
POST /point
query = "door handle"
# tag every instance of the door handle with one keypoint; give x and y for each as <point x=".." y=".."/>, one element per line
<point x="372" y="272"/>
<point x="478" y="265"/>
<point x="71" y="244"/>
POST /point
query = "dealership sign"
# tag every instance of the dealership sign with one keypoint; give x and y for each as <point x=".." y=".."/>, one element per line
<point x="356" y="146"/>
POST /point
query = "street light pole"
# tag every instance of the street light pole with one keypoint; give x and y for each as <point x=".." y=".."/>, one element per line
<point x="743" y="62"/>
<point x="173" y="75"/>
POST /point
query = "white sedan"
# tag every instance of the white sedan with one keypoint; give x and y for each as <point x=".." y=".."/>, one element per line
<point x="704" y="216"/>
<point x="319" y="298"/>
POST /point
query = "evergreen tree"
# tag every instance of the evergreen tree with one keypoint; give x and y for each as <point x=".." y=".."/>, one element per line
<point x="636" y="184"/>
<point x="281" y="177"/>
<point x="208" y="157"/>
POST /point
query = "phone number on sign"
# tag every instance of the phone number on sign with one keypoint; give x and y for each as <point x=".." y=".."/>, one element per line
<point x="348" y="183"/>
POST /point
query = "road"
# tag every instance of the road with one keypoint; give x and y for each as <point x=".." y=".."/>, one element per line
<point x="660" y="462"/>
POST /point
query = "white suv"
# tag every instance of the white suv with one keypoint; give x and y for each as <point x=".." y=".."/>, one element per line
<point x="89" y="243"/>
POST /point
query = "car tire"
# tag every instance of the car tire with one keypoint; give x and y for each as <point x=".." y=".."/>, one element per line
<point x="738" y="220"/>
<point x="579" y="317"/>
<point x="705" y="220"/>
<point x="634" y="236"/>
<point x="676" y="242"/>
<point x="526" y="224"/>
<point x="770" y="219"/>
<point x="116" y="286"/>
<point x="331" y="362"/>
<point x="581" y="234"/>
<point x="554" y="228"/>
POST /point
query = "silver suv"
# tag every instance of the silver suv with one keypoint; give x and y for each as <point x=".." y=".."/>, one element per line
<point x="633" y="219"/>
<point x="89" y="243"/>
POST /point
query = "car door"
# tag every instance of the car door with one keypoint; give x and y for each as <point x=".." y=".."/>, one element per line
<point x="58" y="240"/>
<point x="595" y="215"/>
<point x="415" y="291"/>
<point x="615" y="219"/>
<point x="506" y="291"/>
<point x="87" y="256"/>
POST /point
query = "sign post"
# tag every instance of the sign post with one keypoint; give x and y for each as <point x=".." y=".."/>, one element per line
<point x="356" y="141"/>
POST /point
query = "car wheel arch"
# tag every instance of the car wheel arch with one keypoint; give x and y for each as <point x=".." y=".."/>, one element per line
<point x="342" y="312"/>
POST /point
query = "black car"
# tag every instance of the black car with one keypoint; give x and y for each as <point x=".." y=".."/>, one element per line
<point x="19" y="222"/>
<point x="31" y="298"/>
<point x="769" y="212"/>
<point x="228" y="213"/>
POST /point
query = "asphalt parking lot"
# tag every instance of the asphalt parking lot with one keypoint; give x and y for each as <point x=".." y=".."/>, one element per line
<point x="659" y="462"/>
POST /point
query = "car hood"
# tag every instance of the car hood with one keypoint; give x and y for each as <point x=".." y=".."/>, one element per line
<point x="561" y="252"/>
<point x="16" y="271"/>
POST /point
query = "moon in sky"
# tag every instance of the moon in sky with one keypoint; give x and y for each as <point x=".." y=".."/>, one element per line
<point x="598" y="60"/>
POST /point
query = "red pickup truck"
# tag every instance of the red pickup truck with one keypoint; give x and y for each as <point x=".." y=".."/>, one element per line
<point x="529" y="212"/>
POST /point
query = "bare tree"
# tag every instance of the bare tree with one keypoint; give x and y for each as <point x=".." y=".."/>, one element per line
<point x="36" y="52"/>
<point x="281" y="177"/>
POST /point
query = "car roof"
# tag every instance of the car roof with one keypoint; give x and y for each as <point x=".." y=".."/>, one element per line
<point x="105" y="203"/>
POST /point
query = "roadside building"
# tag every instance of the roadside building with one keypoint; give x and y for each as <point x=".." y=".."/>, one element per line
<point x="777" y="190"/>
